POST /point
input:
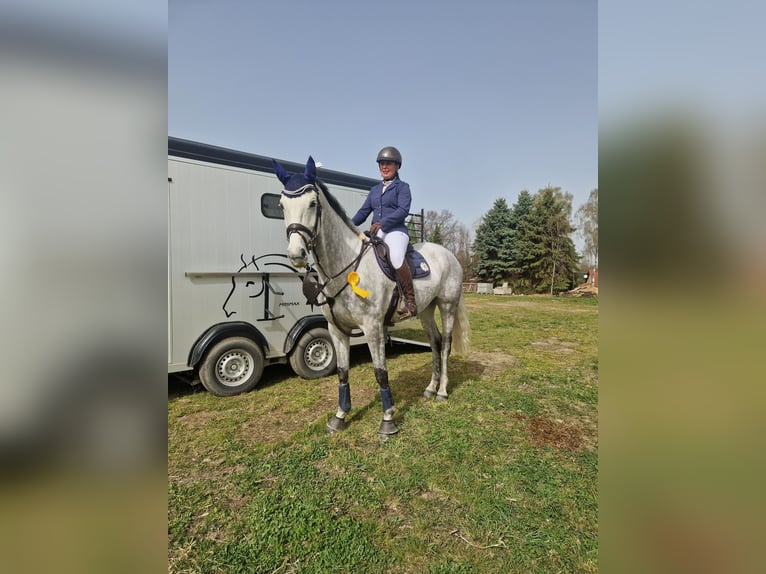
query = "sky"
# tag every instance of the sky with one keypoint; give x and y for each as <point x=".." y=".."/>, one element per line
<point x="483" y="99"/>
<point x="704" y="57"/>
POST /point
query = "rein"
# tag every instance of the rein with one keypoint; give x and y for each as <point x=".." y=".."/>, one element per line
<point x="317" y="289"/>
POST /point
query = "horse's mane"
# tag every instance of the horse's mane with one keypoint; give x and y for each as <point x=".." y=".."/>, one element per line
<point x="336" y="206"/>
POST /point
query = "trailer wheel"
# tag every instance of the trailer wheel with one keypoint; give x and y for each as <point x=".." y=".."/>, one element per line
<point x="232" y="366"/>
<point x="314" y="356"/>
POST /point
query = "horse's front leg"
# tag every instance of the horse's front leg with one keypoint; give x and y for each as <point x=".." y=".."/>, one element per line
<point x="341" y="343"/>
<point x="376" y="341"/>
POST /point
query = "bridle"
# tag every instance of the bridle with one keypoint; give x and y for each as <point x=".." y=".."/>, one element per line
<point x="311" y="289"/>
<point x="308" y="235"/>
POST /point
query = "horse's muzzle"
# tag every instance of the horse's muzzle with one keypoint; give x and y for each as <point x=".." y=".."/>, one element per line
<point x="298" y="257"/>
<point x="298" y="262"/>
<point x="296" y="251"/>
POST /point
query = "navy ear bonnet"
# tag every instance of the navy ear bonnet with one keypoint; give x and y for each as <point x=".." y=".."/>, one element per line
<point x="296" y="184"/>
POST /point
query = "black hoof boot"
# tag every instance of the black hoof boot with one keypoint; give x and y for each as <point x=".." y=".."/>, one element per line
<point x="387" y="428"/>
<point x="335" y="424"/>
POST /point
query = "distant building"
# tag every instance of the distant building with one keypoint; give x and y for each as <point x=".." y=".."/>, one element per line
<point x="591" y="279"/>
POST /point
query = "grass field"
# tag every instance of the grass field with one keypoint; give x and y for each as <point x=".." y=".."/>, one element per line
<point x="501" y="478"/>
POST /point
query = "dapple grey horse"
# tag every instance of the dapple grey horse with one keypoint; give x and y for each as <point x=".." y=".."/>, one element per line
<point x="316" y="223"/>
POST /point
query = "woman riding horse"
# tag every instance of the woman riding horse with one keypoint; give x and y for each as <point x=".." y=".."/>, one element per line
<point x="389" y="202"/>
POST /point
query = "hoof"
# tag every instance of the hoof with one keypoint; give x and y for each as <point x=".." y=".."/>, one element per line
<point x="428" y="394"/>
<point x="387" y="428"/>
<point x="335" y="424"/>
<point x="440" y="398"/>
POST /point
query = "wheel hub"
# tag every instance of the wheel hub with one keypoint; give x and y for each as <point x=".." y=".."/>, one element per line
<point x="318" y="354"/>
<point x="234" y="367"/>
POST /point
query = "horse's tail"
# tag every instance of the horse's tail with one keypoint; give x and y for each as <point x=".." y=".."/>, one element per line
<point x="461" y="333"/>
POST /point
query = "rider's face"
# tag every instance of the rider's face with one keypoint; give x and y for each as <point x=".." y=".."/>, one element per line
<point x="387" y="169"/>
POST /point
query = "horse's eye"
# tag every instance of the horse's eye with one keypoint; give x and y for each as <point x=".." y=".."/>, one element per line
<point x="313" y="203"/>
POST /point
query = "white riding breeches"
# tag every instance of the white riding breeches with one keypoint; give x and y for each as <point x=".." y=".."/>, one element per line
<point x="397" y="242"/>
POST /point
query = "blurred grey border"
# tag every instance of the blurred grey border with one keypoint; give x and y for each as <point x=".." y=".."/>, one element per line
<point x="83" y="250"/>
<point x="83" y="290"/>
<point x="682" y="169"/>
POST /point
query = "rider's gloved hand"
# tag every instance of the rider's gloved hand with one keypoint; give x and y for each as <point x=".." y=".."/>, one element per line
<point x="374" y="228"/>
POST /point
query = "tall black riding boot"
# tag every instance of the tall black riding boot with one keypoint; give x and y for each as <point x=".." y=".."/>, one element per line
<point x="405" y="281"/>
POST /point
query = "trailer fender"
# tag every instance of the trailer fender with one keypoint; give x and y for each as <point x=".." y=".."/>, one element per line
<point x="221" y="331"/>
<point x="301" y="326"/>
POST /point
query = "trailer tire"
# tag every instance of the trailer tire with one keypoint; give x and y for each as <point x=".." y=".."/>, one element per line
<point x="232" y="366"/>
<point x="314" y="355"/>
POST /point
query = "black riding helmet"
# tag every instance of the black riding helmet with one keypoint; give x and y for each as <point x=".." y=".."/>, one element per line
<point x="390" y="153"/>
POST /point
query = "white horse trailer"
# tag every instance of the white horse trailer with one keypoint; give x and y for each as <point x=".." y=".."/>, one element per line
<point x="235" y="304"/>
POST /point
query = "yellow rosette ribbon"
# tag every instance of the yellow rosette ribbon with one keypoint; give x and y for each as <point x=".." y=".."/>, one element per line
<point x="353" y="280"/>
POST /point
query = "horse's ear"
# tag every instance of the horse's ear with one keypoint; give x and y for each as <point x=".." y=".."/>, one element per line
<point x="280" y="171"/>
<point x="311" y="170"/>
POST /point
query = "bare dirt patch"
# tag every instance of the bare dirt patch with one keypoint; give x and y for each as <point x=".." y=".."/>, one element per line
<point x="494" y="363"/>
<point x="275" y="425"/>
<point x="555" y="345"/>
<point x="434" y="494"/>
<point x="199" y="418"/>
<point x="565" y="435"/>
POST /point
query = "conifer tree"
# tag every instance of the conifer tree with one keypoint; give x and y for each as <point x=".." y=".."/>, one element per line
<point x="523" y="252"/>
<point x="555" y="258"/>
<point x="493" y="243"/>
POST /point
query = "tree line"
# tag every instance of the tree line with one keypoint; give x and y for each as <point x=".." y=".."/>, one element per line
<point x="528" y="245"/>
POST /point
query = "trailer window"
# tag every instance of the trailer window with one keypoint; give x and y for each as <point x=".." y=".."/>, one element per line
<point x="270" y="206"/>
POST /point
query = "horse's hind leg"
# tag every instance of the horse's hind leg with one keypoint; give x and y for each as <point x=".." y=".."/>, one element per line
<point x="447" y="312"/>
<point x="341" y="343"/>
<point x="435" y="339"/>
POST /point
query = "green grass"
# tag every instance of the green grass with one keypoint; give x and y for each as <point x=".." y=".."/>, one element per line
<point x="499" y="478"/>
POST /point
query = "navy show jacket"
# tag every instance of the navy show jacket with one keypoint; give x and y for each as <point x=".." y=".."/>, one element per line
<point x="390" y="208"/>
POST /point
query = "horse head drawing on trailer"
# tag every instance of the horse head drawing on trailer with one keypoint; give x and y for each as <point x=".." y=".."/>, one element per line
<point x="356" y="294"/>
